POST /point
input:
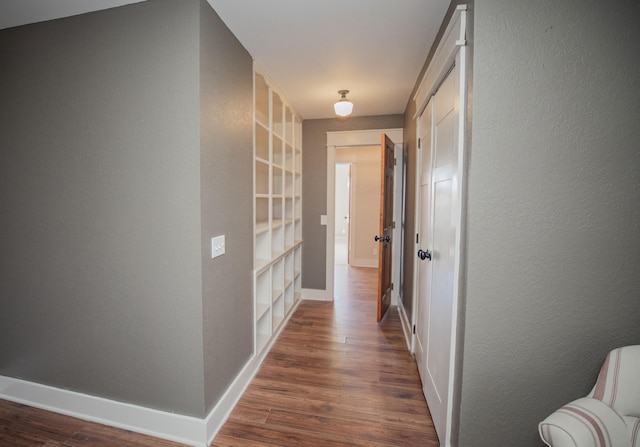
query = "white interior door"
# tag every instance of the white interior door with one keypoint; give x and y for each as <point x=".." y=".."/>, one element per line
<point x="342" y="213"/>
<point x="424" y="175"/>
<point x="438" y="253"/>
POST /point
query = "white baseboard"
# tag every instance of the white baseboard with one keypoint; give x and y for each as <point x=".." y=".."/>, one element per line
<point x="315" y="295"/>
<point x="174" y="427"/>
<point x="220" y="413"/>
<point x="364" y="262"/>
<point x="406" y="326"/>
<point x="395" y="300"/>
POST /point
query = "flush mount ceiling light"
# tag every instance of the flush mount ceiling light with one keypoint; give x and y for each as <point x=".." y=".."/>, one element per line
<point x="343" y="107"/>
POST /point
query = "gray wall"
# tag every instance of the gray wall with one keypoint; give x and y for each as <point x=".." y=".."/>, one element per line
<point x="314" y="187"/>
<point x="226" y="103"/>
<point x="109" y="197"/>
<point x="554" y="194"/>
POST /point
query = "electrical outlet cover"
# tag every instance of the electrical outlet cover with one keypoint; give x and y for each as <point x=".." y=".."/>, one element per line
<point x="217" y="246"/>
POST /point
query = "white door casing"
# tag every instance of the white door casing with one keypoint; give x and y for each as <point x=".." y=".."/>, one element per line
<point x="334" y="140"/>
<point x="441" y="104"/>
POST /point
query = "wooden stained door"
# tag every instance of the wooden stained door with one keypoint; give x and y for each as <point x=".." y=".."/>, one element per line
<point x="386" y="226"/>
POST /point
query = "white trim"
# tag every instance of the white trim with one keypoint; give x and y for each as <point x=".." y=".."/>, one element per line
<point x="274" y="87"/>
<point x="461" y="62"/>
<point x="398" y="237"/>
<point x="316" y="295"/>
<point x="416" y="226"/>
<point x="174" y="427"/>
<point x="220" y="413"/>
<point x="331" y="222"/>
<point x="363" y="262"/>
<point x="362" y="137"/>
<point x="453" y="37"/>
<point x="406" y="327"/>
<point x="460" y="71"/>
<point x="370" y="137"/>
<point x="160" y="424"/>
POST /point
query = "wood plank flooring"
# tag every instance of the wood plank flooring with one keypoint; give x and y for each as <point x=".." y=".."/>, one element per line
<point x="333" y="378"/>
<point x="23" y="426"/>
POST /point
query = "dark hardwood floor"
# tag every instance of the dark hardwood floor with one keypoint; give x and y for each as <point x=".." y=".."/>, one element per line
<point x="23" y="426"/>
<point x="334" y="378"/>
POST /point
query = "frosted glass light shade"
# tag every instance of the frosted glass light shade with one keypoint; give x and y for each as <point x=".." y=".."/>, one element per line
<point x="343" y="107"/>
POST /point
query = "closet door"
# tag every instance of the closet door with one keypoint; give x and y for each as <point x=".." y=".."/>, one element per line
<point x="423" y="266"/>
<point x="441" y="102"/>
<point x="439" y="251"/>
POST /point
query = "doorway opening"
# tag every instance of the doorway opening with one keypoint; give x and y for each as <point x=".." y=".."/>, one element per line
<point x="353" y="139"/>
<point x="357" y="207"/>
<point x="343" y="212"/>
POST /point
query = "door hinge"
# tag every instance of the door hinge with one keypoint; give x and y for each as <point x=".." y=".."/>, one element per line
<point x="414" y="328"/>
<point x="417" y="238"/>
<point x="395" y="161"/>
<point x="419" y="143"/>
<point x="393" y="225"/>
<point x="391" y="286"/>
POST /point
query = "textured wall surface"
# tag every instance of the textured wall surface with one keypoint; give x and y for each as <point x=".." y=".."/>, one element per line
<point x="226" y="102"/>
<point x="100" y="283"/>
<point x="554" y="194"/>
<point x="314" y="187"/>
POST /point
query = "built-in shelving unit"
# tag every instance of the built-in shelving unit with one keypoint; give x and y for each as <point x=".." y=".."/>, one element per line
<point x="277" y="210"/>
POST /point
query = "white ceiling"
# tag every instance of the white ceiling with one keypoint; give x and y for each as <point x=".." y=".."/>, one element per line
<point x="310" y="50"/>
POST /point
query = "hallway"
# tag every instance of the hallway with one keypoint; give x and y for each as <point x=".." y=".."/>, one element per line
<point x="335" y="378"/>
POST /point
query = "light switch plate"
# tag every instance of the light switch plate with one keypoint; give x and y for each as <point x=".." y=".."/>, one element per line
<point x="217" y="246"/>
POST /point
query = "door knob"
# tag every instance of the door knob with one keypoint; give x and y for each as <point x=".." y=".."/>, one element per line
<point x="422" y="254"/>
<point x="386" y="238"/>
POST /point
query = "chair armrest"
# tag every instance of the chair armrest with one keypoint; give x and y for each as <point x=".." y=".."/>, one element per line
<point x="585" y="422"/>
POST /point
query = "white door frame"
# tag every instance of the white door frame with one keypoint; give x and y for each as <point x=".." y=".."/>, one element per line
<point x="350" y="139"/>
<point x="452" y="48"/>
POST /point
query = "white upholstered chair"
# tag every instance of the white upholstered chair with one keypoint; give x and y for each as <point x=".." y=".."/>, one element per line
<point x="609" y="416"/>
